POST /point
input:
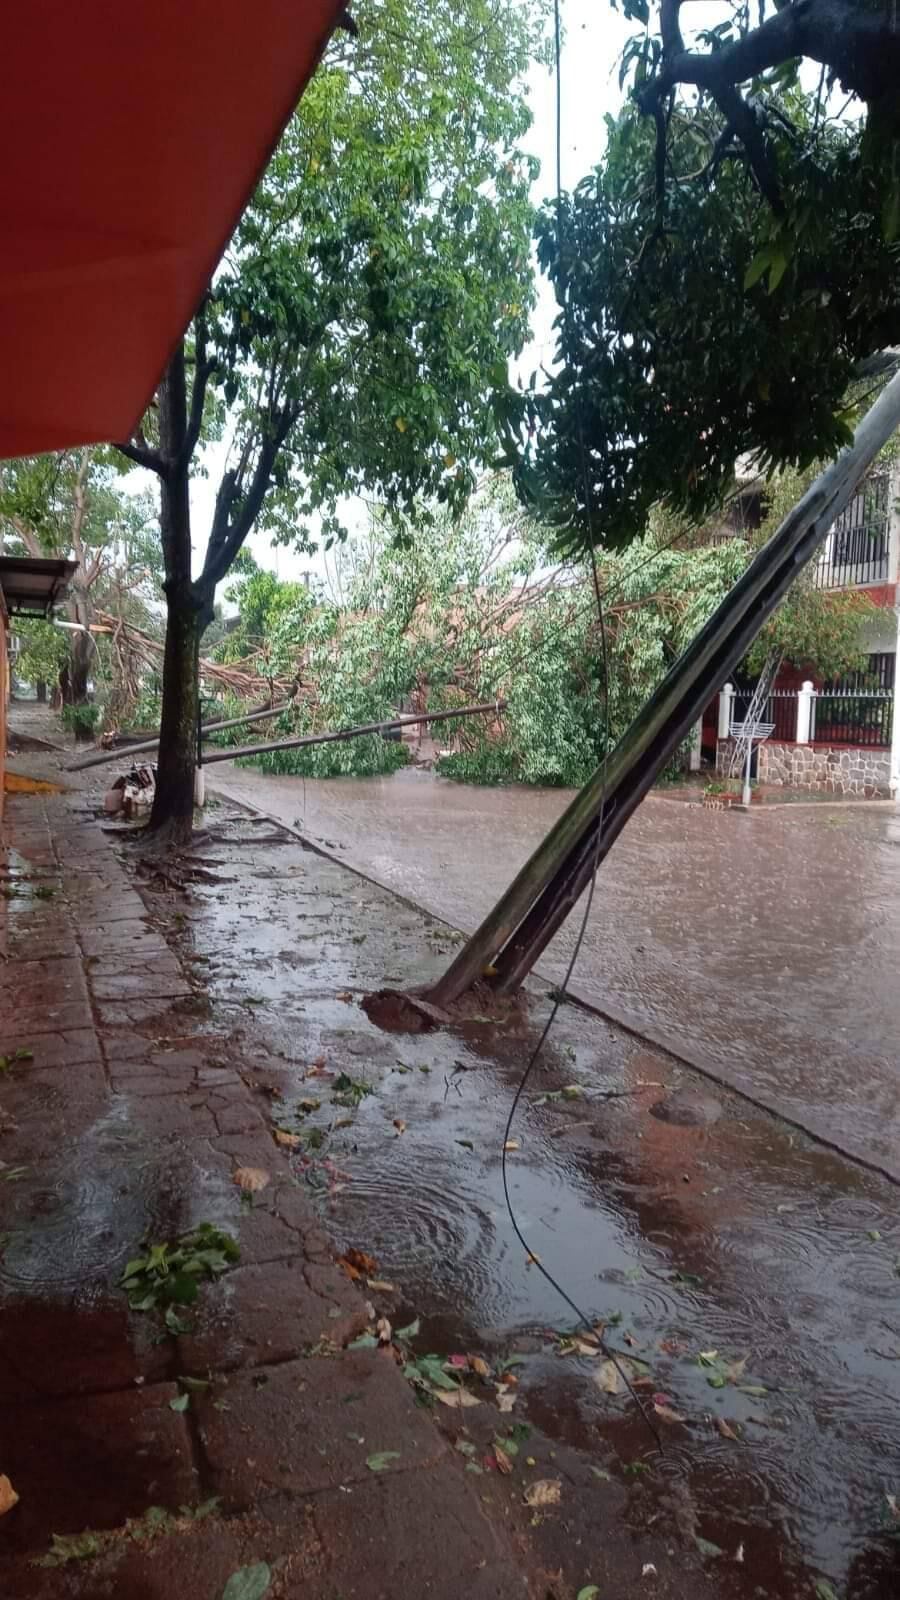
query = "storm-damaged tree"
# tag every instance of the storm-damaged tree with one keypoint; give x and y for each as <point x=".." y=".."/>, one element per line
<point x="72" y="505"/>
<point x="356" y="336"/>
<point x="726" y="278"/>
<point x="730" y="269"/>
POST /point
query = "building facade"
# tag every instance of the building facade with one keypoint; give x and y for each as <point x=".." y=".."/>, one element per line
<point x="841" y="737"/>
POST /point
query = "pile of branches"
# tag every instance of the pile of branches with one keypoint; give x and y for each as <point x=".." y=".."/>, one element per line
<point x="134" y="650"/>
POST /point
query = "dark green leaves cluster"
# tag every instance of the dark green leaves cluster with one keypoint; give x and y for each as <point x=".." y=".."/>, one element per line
<point x="380" y="279"/>
<point x="696" y="327"/>
<point x="169" y="1275"/>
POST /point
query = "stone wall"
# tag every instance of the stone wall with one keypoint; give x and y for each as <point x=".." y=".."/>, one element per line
<point x="828" y="769"/>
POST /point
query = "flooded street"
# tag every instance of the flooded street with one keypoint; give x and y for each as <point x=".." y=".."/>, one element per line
<point x="764" y="946"/>
<point x="746" y="1275"/>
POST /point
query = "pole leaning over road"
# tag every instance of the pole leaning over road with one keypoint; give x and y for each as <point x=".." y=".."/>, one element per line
<point x="514" y="934"/>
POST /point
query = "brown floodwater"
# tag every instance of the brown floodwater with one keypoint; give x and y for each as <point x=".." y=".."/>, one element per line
<point x="752" y="1272"/>
<point x="764" y="945"/>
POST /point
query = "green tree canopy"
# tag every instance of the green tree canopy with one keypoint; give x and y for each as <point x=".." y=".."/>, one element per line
<point x="695" y="327"/>
<point x="469" y="608"/>
<point x="357" y="334"/>
<point x="73" y="505"/>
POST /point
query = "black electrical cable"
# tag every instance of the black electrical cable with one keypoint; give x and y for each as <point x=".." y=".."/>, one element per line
<point x="560" y="993"/>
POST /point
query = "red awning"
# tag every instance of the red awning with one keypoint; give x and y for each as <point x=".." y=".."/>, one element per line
<point x="132" y="136"/>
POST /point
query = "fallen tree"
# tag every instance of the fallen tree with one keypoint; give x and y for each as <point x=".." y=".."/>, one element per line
<point x="514" y="934"/>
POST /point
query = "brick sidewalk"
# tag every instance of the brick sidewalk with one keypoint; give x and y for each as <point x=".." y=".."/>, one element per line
<point x="121" y="1125"/>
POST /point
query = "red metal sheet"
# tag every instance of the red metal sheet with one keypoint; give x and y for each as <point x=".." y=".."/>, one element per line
<point x="132" y="136"/>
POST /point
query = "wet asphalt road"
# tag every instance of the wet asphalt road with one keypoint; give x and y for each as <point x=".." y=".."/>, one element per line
<point x="763" y="946"/>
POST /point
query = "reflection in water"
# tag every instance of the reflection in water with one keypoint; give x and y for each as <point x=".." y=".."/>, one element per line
<point x="764" y="944"/>
<point x="773" y="1258"/>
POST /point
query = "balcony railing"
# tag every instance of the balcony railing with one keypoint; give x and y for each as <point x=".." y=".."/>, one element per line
<point x="856" y="549"/>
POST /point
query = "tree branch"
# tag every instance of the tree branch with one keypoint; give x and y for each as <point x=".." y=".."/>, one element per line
<point x="228" y="535"/>
<point x="203" y="370"/>
<point x="28" y="537"/>
<point x="80" y="510"/>
<point x="861" y="47"/>
<point x="741" y="118"/>
<point x="142" y="456"/>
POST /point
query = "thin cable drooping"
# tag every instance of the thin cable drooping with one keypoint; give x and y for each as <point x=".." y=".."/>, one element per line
<point x="560" y="993"/>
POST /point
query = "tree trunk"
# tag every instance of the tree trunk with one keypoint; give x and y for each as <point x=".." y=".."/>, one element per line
<point x="81" y="651"/>
<point x="41" y="688"/>
<point x="173" y="804"/>
<point x="187" y="614"/>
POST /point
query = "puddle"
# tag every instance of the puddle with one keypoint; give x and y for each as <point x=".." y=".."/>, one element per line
<point x="736" y="1238"/>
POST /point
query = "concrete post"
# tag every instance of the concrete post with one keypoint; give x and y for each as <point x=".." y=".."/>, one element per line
<point x="804" y="712"/>
<point x="894" y="577"/>
<point x="894" y="524"/>
<point x="725" y="700"/>
<point x="199" y="788"/>
<point x="696" y="750"/>
<point x="895" y="717"/>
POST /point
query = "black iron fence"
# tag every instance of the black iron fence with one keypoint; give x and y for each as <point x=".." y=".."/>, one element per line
<point x="856" y="550"/>
<point x="780" y="708"/>
<point x="857" y="709"/>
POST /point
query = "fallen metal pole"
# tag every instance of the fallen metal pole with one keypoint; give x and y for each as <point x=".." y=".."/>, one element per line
<point x="151" y="744"/>
<point x="516" y="931"/>
<point x="351" y="733"/>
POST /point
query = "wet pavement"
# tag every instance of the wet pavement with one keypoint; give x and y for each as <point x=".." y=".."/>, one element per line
<point x="148" y="1458"/>
<point x="761" y="945"/>
<point x="748" y="1275"/>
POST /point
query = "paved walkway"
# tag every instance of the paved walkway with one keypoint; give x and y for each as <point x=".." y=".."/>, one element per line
<point x="123" y="1117"/>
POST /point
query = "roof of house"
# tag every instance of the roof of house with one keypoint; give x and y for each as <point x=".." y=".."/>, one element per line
<point x="132" y="138"/>
<point x="31" y="587"/>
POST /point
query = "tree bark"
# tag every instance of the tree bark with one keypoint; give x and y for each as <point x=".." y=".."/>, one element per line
<point x="173" y="804"/>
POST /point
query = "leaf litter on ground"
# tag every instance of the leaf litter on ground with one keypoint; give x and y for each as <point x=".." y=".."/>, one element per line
<point x="543" y="1492"/>
<point x="249" y="1583"/>
<point x="169" y="1274"/>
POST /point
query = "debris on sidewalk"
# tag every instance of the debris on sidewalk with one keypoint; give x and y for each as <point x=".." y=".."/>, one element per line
<point x="132" y="792"/>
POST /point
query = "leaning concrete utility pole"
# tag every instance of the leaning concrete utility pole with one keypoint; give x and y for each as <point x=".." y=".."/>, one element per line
<point x="514" y="934"/>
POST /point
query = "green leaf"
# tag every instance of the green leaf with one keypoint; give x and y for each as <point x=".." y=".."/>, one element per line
<point x="760" y="264"/>
<point x="404" y="1335"/>
<point x="890" y="205"/>
<point x="777" y="270"/>
<point x="589" y="1592"/>
<point x="248" y="1583"/>
<point x="706" y="1548"/>
<point x="824" y="1590"/>
<point x="380" y="1461"/>
<point x="181" y="1404"/>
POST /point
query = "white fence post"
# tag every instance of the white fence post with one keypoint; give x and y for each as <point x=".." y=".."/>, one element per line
<point x="804" y="712"/>
<point x="696" y="751"/>
<point x="725" y="699"/>
<point x="895" y="719"/>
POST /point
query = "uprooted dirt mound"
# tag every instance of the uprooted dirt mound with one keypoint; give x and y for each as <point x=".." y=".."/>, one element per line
<point x="411" y="1011"/>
